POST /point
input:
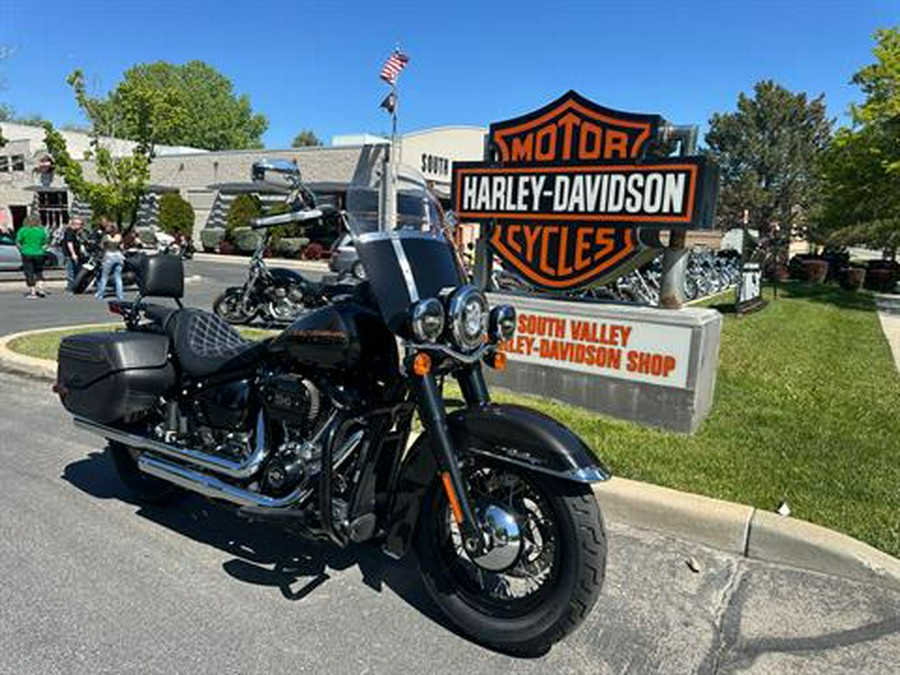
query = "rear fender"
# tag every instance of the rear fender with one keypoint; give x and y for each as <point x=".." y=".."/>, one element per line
<point x="505" y="433"/>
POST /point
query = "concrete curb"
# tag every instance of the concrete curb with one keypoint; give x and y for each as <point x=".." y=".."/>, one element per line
<point x="308" y="265"/>
<point x="745" y="531"/>
<point x="38" y="369"/>
<point x="734" y="528"/>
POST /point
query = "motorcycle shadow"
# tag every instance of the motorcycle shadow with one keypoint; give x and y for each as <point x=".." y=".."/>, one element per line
<point x="264" y="555"/>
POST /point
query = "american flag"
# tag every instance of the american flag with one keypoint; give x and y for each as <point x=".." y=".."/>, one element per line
<point x="392" y="67"/>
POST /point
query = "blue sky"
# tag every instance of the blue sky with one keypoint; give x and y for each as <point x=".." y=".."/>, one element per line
<point x="315" y="64"/>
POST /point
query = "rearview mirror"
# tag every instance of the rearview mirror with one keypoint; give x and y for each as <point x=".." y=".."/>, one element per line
<point x="276" y="166"/>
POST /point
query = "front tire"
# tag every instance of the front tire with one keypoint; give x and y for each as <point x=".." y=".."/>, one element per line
<point x="230" y="307"/>
<point x="570" y="557"/>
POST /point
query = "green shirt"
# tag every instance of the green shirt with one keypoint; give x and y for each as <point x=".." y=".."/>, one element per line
<point x="31" y="240"/>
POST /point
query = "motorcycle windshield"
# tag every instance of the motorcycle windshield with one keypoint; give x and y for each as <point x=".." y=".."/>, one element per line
<point x="407" y="257"/>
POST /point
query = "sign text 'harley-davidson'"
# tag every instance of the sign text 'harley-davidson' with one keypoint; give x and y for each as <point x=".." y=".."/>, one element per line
<point x="570" y="184"/>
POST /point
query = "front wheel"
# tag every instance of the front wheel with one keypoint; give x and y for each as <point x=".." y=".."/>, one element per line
<point x="231" y="307"/>
<point x="543" y="575"/>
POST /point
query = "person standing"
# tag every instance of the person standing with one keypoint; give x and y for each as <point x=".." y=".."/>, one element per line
<point x="113" y="259"/>
<point x="32" y="242"/>
<point x="72" y="250"/>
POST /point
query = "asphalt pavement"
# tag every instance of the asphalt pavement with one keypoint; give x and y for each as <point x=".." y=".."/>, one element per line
<point x="95" y="584"/>
<point x="205" y="281"/>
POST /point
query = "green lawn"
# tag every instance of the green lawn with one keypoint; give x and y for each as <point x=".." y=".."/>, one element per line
<point x="807" y="410"/>
<point x="46" y="345"/>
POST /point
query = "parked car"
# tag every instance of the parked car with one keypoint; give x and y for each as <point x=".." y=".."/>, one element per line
<point x="11" y="260"/>
<point x="344" y="260"/>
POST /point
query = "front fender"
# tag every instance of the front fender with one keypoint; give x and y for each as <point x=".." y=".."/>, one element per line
<point x="505" y="433"/>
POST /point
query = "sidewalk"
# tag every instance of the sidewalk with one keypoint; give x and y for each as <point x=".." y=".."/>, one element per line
<point x="889" y="315"/>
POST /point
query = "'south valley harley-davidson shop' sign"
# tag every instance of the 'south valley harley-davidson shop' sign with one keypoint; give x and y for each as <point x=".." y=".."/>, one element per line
<point x="569" y="187"/>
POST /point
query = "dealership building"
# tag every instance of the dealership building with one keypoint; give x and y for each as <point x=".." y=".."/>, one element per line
<point x="210" y="181"/>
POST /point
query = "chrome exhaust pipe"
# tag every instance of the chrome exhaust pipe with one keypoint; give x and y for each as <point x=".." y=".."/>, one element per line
<point x="210" y="486"/>
<point x="220" y="465"/>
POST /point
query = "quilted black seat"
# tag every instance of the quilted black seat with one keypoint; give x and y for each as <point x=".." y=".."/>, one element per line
<point x="205" y="343"/>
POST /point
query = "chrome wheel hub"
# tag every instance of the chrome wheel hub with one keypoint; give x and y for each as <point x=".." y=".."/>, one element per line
<point x="502" y="538"/>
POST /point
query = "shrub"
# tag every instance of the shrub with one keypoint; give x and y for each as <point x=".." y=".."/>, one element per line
<point x="211" y="238"/>
<point x="242" y="210"/>
<point x="815" y="270"/>
<point x="245" y="240"/>
<point x="176" y="215"/>
<point x="226" y="247"/>
<point x="290" y="247"/>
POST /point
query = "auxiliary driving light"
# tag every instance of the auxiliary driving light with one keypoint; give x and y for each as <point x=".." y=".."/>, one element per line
<point x="428" y="320"/>
<point x="502" y="323"/>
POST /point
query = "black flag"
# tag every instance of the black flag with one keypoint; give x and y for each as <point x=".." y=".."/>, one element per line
<point x="389" y="102"/>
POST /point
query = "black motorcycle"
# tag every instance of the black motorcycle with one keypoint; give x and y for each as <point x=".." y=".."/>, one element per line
<point x="272" y="294"/>
<point x="311" y="428"/>
<point x="89" y="273"/>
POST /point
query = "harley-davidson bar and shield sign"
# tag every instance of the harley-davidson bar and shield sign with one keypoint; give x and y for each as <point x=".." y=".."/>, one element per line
<point x="569" y="186"/>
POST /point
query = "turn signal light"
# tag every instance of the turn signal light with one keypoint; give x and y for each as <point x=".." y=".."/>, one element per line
<point x="497" y="360"/>
<point x="422" y="364"/>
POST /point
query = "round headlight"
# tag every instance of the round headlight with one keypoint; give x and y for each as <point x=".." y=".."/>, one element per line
<point x="468" y="317"/>
<point x="502" y="323"/>
<point x="428" y="320"/>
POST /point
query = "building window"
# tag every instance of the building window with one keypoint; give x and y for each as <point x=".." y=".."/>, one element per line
<point x="18" y="162"/>
<point x="53" y="208"/>
<point x="4" y="164"/>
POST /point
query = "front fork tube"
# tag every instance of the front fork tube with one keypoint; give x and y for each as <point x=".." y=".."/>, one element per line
<point x="471" y="383"/>
<point x="434" y="419"/>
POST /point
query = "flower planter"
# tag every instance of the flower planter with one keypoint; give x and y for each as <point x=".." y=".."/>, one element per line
<point x="880" y="279"/>
<point x="852" y="278"/>
<point x="815" y="271"/>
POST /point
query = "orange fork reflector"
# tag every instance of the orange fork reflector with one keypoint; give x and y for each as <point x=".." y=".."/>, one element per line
<point x="451" y="495"/>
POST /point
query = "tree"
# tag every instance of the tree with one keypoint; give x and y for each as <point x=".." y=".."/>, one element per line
<point x="176" y="215"/>
<point x="861" y="170"/>
<point x="201" y="108"/>
<point x="306" y="138"/>
<point x="767" y="151"/>
<point x="122" y="179"/>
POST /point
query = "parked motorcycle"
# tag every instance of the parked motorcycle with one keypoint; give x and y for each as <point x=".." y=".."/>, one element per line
<point x="311" y="428"/>
<point x="89" y="273"/>
<point x="275" y="295"/>
<point x="174" y="244"/>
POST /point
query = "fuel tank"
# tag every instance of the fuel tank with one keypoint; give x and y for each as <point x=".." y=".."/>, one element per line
<point x="343" y="337"/>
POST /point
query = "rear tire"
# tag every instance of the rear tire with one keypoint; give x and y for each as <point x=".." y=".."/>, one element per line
<point x="144" y="488"/>
<point x="532" y="624"/>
